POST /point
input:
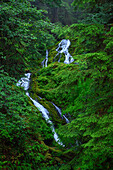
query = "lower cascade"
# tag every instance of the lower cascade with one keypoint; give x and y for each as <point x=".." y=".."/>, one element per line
<point x="24" y="82"/>
<point x="60" y="113"/>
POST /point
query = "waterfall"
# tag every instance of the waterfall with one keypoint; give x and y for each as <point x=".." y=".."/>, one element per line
<point x="60" y="113"/>
<point x="63" y="48"/>
<point x="45" y="114"/>
<point x="24" y="82"/>
<point x="44" y="62"/>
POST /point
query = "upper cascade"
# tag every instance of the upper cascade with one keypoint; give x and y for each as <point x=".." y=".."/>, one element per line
<point x="63" y="48"/>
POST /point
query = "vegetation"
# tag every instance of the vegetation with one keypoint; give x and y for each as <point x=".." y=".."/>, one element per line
<point x="24" y="36"/>
<point x="59" y="11"/>
<point x="95" y="11"/>
<point x="82" y="89"/>
<point x="24" y="133"/>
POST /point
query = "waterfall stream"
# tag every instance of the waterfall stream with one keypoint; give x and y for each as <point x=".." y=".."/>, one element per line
<point x="60" y="113"/>
<point x="44" y="62"/>
<point x="62" y="48"/>
<point x="24" y="82"/>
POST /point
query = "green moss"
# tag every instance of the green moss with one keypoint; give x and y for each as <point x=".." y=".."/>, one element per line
<point x="54" y="83"/>
<point x="54" y="116"/>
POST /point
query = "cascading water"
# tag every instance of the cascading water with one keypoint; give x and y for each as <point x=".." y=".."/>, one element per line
<point x="24" y="82"/>
<point x="45" y="60"/>
<point x="60" y="113"/>
<point x="45" y="114"/>
<point x="63" y="48"/>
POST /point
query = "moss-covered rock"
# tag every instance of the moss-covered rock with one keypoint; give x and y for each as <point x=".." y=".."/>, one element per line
<point x="54" y="115"/>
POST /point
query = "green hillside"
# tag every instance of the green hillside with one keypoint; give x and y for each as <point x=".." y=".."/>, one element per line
<point x="83" y="90"/>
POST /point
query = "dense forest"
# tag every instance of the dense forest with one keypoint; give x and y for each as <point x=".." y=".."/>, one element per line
<point x="82" y="89"/>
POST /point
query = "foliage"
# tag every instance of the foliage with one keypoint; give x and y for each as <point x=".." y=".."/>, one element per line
<point x="24" y="133"/>
<point x="51" y="2"/>
<point x="101" y="14"/>
<point x="24" y="36"/>
<point x="59" y="11"/>
<point x="84" y="92"/>
<point x="84" y="37"/>
<point x="82" y="89"/>
<point x="53" y="81"/>
<point x="95" y="11"/>
<point x="90" y="132"/>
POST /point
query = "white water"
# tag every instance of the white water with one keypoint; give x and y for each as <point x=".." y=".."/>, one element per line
<point x="67" y="121"/>
<point x="24" y="82"/>
<point x="44" y="62"/>
<point x="40" y="97"/>
<point x="59" y="111"/>
<point x="63" y="48"/>
<point x="45" y="114"/>
<point x="46" y="58"/>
